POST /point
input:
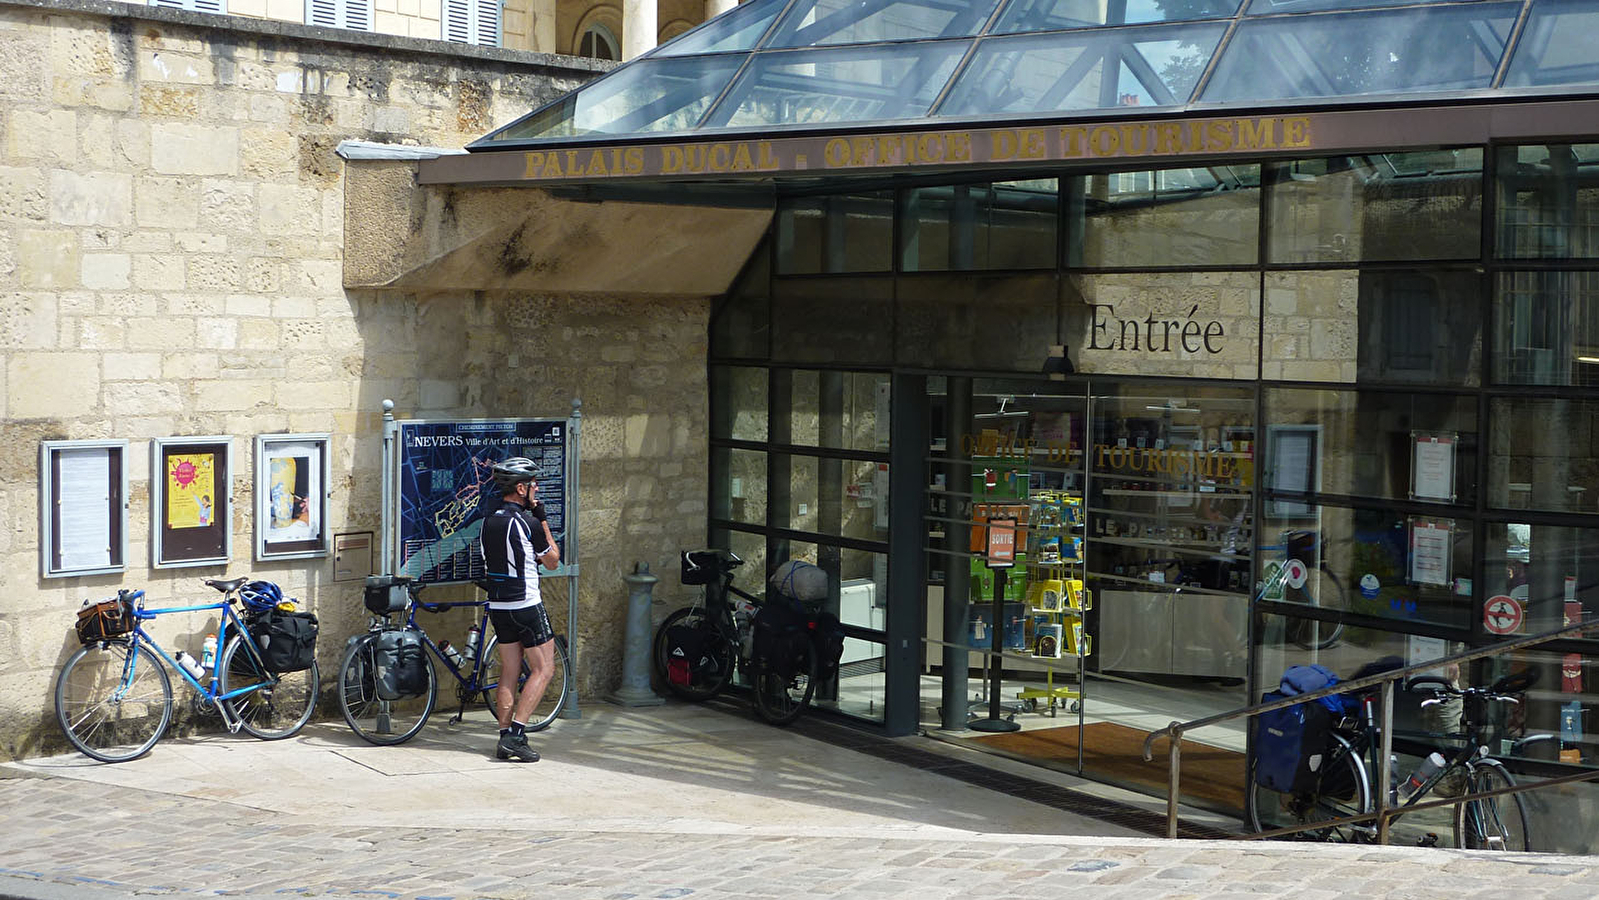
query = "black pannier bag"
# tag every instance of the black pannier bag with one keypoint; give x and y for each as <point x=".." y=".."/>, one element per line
<point x="287" y="640"/>
<point x="781" y="633"/>
<point x="399" y="665"/>
<point x="829" y="644"/>
<point x="686" y="654"/>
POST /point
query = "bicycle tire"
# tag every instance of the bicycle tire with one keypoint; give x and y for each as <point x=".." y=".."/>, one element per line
<point x="1315" y="634"/>
<point x="709" y="675"/>
<point x="1344" y="775"/>
<point x="1492" y="823"/>
<point x="273" y="712"/>
<point x="780" y="698"/>
<point x="373" y="719"/>
<point x="99" y="716"/>
<point x="555" y="694"/>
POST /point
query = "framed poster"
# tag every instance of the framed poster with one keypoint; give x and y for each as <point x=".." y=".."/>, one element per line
<point x="83" y="509"/>
<point x="1294" y="467"/>
<point x="191" y="505"/>
<point x="443" y="489"/>
<point x="291" y="496"/>
<point x="1430" y="544"/>
<point x="1432" y="471"/>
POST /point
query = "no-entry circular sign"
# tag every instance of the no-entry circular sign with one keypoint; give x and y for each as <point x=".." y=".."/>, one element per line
<point x="1298" y="573"/>
<point x="1501" y="615"/>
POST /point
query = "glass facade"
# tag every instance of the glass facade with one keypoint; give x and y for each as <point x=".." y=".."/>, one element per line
<point x="1387" y="397"/>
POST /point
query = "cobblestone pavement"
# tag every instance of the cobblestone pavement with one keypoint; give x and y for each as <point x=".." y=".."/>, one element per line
<point x="64" y="833"/>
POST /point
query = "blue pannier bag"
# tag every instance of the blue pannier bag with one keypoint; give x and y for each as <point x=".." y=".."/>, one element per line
<point x="1292" y="742"/>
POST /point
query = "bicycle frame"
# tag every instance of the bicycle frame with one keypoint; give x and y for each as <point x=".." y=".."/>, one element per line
<point x="208" y="691"/>
<point x="469" y="685"/>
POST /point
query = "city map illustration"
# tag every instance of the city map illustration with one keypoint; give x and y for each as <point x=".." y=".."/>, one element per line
<point x="445" y="483"/>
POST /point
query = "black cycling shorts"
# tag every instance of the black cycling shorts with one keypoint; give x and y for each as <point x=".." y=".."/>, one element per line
<point x="528" y="626"/>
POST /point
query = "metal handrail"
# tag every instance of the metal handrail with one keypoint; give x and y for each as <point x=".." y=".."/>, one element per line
<point x="1385" y="681"/>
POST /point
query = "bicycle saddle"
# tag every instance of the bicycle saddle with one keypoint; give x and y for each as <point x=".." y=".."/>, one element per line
<point x="229" y="586"/>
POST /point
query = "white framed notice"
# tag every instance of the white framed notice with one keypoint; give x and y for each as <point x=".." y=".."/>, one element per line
<point x="83" y="509"/>
<point x="291" y="496"/>
<point x="1432" y="471"/>
<point x="1295" y="467"/>
<point x="191" y="501"/>
<point x="1430" y="544"/>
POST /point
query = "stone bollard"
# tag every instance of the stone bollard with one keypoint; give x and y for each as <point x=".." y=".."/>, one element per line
<point x="636" y="655"/>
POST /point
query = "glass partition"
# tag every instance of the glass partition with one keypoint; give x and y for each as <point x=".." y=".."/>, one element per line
<point x="1549" y="201"/>
<point x="738" y="394"/>
<point x="1167" y="217"/>
<point x="838" y="85"/>
<point x="647" y="96"/>
<point x="1003" y="225"/>
<point x="1053" y="15"/>
<point x="813" y="23"/>
<point x="1529" y="469"/>
<point x="740" y="30"/>
<point x="835" y="233"/>
<point x="1556" y="45"/>
<point x="839" y="410"/>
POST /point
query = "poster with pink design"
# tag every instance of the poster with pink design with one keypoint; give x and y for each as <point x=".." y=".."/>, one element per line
<point x="191" y="490"/>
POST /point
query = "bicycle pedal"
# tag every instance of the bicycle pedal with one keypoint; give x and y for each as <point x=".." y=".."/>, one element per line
<point x="1429" y="840"/>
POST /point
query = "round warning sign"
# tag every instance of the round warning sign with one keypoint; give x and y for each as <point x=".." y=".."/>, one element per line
<point x="1296" y="574"/>
<point x="1501" y="615"/>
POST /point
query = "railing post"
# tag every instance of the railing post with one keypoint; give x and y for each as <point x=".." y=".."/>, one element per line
<point x="1173" y="779"/>
<point x="1385" y="751"/>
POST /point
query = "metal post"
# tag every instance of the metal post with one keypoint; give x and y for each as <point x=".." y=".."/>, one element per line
<point x="1173" y="779"/>
<point x="635" y="688"/>
<point x="1385" y="751"/>
<point x="574" y="457"/>
<point x="386" y="505"/>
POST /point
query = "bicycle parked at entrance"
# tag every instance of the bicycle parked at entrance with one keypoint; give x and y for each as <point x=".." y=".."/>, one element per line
<point x="388" y="682"/>
<point x="113" y="698"/>
<point x="781" y="644"/>
<point x="1343" y="784"/>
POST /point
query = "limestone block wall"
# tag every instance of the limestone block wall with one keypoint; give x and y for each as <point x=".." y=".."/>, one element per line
<point x="171" y="234"/>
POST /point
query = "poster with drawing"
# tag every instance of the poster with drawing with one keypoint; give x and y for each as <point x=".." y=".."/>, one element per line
<point x="191" y="501"/>
<point x="291" y="495"/>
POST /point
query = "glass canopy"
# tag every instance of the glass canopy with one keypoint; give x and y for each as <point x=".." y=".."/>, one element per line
<point x="822" y="63"/>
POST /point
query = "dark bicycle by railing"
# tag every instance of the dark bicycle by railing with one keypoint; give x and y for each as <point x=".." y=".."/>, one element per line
<point x="1472" y="812"/>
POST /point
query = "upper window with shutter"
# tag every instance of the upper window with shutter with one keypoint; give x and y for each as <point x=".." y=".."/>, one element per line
<point x="352" y="14"/>
<point x="472" y="22"/>
<point x="205" y="6"/>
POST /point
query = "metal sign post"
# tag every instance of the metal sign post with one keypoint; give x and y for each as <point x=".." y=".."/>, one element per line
<point x="1001" y="556"/>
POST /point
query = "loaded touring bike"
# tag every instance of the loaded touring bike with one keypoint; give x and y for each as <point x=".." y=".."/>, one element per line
<point x="113" y="698"/>
<point x="388" y="679"/>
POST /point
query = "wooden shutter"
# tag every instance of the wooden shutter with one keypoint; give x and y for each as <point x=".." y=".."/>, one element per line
<point x="205" y="6"/>
<point x="355" y="15"/>
<point x="486" y="30"/>
<point x="472" y="22"/>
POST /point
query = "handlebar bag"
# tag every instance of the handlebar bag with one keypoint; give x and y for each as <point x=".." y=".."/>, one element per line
<point x="287" y="640"/>
<point x="399" y="664"/>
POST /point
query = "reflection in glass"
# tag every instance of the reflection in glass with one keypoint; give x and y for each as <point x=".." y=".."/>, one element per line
<point x="1053" y="15"/>
<point x="828" y="320"/>
<point x="834" y="497"/>
<point x="818" y="22"/>
<point x="1547" y="328"/>
<point x="835" y="233"/>
<point x="1549" y="201"/>
<point x="741" y="321"/>
<point x="648" y="95"/>
<point x="840" y="85"/>
<point x="1004" y="225"/>
<point x="738" y="29"/>
<point x="858" y="581"/>
<point x="1420" y="326"/>
<point x="738" y="485"/>
<point x="1168" y="217"/>
<point x="738" y="396"/>
<point x="1389" y="206"/>
<point x="1544" y="454"/>
<point x="1140" y="67"/>
<point x="840" y="410"/>
<point x="976" y="322"/>
<point x="1441" y="48"/>
<point x="1556" y="46"/>
<point x="1367" y="437"/>
<point x="1531" y="564"/>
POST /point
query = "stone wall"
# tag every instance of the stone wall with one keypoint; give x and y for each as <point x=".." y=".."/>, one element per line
<point x="171" y="239"/>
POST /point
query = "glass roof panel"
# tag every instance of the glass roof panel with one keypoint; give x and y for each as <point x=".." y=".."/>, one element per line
<point x="650" y="95"/>
<point x="812" y="23"/>
<point x="1084" y="70"/>
<point x="737" y="29"/>
<point x="1436" y="48"/>
<point x="859" y="84"/>
<point x="1559" y="45"/>
<point x="1053" y="15"/>
<point x="1271" y="7"/>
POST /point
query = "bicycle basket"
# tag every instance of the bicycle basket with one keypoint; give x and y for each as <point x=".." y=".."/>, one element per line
<point x="103" y="620"/>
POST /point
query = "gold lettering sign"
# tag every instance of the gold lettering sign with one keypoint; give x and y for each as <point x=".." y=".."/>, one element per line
<point x="912" y="150"/>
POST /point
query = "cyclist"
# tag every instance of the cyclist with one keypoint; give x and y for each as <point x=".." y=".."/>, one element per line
<point x="516" y="538"/>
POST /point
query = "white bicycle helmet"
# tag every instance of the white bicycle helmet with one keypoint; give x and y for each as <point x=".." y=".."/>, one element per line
<point x="508" y="473"/>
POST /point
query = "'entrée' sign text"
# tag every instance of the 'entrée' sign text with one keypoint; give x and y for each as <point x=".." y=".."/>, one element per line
<point x="910" y="150"/>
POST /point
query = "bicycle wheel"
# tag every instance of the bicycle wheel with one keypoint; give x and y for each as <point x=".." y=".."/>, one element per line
<point x="1493" y="823"/>
<point x="113" y="704"/>
<point x="374" y="719"/>
<point x="556" y="692"/>
<point x="1344" y="789"/>
<point x="277" y="709"/>
<point x="696" y="679"/>
<point x="781" y="697"/>
<point x="1324" y="590"/>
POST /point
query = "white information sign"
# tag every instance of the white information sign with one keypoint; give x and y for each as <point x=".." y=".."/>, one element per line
<point x="1433" y="476"/>
<point x="84" y="491"/>
<point x="1429" y="552"/>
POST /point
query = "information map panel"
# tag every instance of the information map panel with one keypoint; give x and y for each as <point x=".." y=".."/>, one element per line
<point x="445" y="485"/>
